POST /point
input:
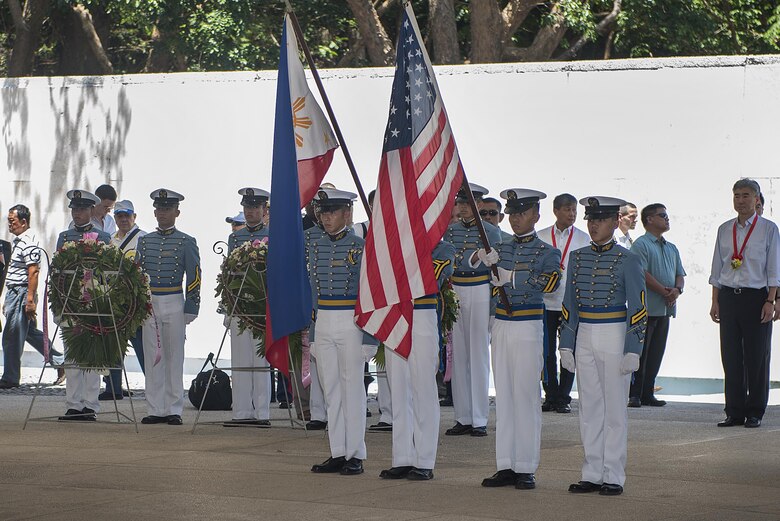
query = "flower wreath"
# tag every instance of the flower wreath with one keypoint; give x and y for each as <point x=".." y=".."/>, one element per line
<point x="100" y="297"/>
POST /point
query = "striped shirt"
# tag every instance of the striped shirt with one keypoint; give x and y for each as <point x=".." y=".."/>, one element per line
<point x="24" y="254"/>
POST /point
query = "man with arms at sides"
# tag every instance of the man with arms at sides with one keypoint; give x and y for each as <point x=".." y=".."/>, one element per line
<point x="566" y="238"/>
<point x="628" y="215"/>
<point x="527" y="269"/>
<point x="126" y="239"/>
<point x="82" y="386"/>
<point x="252" y="378"/>
<point x="665" y="280"/>
<point x="21" y="299"/>
<point x="744" y="277"/>
<point x="471" y="335"/>
<point x="604" y="318"/>
<point x="167" y="255"/>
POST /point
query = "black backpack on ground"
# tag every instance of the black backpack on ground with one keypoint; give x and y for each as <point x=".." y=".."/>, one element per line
<point x="220" y="395"/>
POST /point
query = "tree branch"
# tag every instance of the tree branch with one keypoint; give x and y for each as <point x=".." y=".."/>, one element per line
<point x="514" y="14"/>
<point x="378" y="44"/>
<point x="382" y="6"/>
<point x="93" y="41"/>
<point x="606" y="26"/>
<point x="549" y="37"/>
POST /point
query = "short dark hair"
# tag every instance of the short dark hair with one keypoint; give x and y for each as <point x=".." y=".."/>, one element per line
<point x="748" y="183"/>
<point x="22" y="212"/>
<point x="494" y="201"/>
<point x="649" y="211"/>
<point x="106" y="192"/>
<point x="371" y="195"/>
<point x="761" y="196"/>
<point x="564" y="200"/>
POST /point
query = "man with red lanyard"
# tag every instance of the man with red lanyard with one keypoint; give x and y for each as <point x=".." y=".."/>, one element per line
<point x="566" y="237"/>
<point x="745" y="276"/>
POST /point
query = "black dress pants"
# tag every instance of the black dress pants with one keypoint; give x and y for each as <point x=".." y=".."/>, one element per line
<point x="744" y="351"/>
<point x="652" y="355"/>
<point x="555" y="391"/>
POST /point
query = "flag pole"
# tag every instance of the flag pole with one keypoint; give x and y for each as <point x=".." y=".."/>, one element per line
<point x="328" y="108"/>
<point x="485" y="242"/>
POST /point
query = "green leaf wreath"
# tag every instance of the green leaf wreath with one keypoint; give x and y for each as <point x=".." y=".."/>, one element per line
<point x="100" y="297"/>
<point x="448" y="306"/>
<point x="241" y="288"/>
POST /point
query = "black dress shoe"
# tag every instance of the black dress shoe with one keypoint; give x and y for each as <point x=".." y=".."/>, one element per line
<point x="525" y="481"/>
<point x="654" y="402"/>
<point x="458" y="430"/>
<point x="284" y="405"/>
<point x="502" y="478"/>
<point x="730" y="421"/>
<point x="149" y="420"/>
<point x="352" y="467"/>
<point x="563" y="408"/>
<point x="88" y="415"/>
<point x="420" y="474"/>
<point x="634" y="401"/>
<point x="583" y="487"/>
<point x="381" y="427"/>
<point x="174" y="419"/>
<point x="246" y="422"/>
<point x="752" y="422"/>
<point x="7" y="385"/>
<point x="479" y="431"/>
<point x="329" y="466"/>
<point x="548" y="406"/>
<point x="395" y="472"/>
<point x="316" y="425"/>
<point x="108" y="395"/>
<point x="127" y="393"/>
<point x="610" y="489"/>
<point x="73" y="415"/>
<point x="445" y="402"/>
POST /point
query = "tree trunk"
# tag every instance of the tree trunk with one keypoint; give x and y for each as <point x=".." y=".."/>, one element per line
<point x="444" y="32"/>
<point x="27" y="25"/>
<point x="162" y="57"/>
<point x="373" y="34"/>
<point x="548" y="38"/>
<point x="486" y="31"/>
<point x="92" y="39"/>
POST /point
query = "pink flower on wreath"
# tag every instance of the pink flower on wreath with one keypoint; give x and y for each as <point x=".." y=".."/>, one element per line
<point x="259" y="242"/>
<point x="90" y="236"/>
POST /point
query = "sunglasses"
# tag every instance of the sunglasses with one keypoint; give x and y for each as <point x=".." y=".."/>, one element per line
<point x="485" y="213"/>
<point x="662" y="215"/>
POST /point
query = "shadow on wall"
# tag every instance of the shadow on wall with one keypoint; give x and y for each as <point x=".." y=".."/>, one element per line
<point x="89" y="143"/>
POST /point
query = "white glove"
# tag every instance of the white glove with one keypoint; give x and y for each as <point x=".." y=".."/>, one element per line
<point x="188" y="318"/>
<point x="488" y="259"/>
<point x="505" y="276"/>
<point x="567" y="359"/>
<point x="225" y="321"/>
<point x="629" y="364"/>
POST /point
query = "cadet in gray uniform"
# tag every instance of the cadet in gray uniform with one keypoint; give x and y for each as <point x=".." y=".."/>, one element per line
<point x="166" y="256"/>
<point x="251" y="389"/>
<point x="416" y="412"/>
<point x="470" y="335"/>
<point x="81" y="387"/>
<point x="335" y="265"/>
<point x="527" y="269"/>
<point x="604" y="311"/>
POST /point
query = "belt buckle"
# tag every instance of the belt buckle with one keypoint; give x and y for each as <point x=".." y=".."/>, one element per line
<point x="737" y="291"/>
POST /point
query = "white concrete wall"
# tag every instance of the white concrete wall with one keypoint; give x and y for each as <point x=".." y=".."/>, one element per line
<point x="677" y="131"/>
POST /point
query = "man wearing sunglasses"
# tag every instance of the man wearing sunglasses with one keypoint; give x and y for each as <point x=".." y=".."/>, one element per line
<point x="664" y="277"/>
<point x="491" y="213"/>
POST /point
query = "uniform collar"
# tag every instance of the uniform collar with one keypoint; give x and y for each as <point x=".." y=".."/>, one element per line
<point x="528" y="237"/>
<point x="255" y="228"/>
<point x="468" y="224"/>
<point x="82" y="229"/>
<point x="340" y="235"/>
<point x="167" y="231"/>
<point x="603" y="247"/>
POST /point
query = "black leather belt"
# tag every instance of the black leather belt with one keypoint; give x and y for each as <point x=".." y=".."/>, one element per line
<point x="739" y="291"/>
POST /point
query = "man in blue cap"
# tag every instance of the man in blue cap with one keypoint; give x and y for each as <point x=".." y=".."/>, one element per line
<point x="167" y="255"/>
<point x="252" y="380"/>
<point x="604" y="318"/>
<point x="527" y="269"/>
<point x="81" y="387"/>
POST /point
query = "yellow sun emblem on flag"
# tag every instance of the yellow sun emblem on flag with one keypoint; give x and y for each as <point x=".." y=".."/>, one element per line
<point x="300" y="121"/>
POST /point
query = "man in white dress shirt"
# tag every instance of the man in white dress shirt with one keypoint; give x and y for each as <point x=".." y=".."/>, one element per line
<point x="626" y="223"/>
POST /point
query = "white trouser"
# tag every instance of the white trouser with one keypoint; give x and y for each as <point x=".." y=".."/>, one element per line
<point x="471" y="356"/>
<point x="384" y="396"/>
<point x="603" y="393"/>
<point x="81" y="389"/>
<point x="416" y="395"/>
<point x="339" y="353"/>
<point x="165" y="381"/>
<point x="316" y="398"/>
<point x="251" y="389"/>
<point x="518" y="358"/>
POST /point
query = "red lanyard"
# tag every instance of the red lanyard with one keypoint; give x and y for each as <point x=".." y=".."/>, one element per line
<point x="568" y="242"/>
<point x="738" y="256"/>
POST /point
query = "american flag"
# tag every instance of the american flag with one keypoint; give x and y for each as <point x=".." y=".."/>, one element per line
<point x="419" y="175"/>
